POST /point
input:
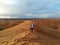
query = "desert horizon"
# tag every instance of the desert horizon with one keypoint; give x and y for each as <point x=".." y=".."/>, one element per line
<point x="29" y="22"/>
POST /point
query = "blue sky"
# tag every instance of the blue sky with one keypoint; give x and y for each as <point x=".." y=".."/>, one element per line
<point x="29" y="8"/>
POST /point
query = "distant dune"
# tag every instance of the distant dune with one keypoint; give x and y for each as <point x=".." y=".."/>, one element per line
<point x="4" y="24"/>
<point x="21" y="34"/>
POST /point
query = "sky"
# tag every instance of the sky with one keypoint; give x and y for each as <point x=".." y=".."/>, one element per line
<point x="29" y="8"/>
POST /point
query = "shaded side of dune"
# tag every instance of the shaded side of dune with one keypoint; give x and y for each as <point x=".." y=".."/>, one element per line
<point x="46" y="30"/>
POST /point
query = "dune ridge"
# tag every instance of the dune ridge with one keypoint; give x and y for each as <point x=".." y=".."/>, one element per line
<point x="21" y="35"/>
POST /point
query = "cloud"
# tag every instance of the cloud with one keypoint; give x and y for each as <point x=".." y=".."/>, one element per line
<point x="8" y="1"/>
<point x="7" y="17"/>
<point x="46" y="15"/>
<point x="12" y="7"/>
<point x="30" y="8"/>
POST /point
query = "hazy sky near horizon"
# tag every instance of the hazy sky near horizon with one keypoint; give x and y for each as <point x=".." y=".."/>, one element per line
<point x="29" y="8"/>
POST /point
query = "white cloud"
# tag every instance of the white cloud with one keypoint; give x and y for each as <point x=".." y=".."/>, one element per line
<point x="4" y="10"/>
<point x="46" y="15"/>
<point x="12" y="7"/>
<point x="29" y="8"/>
<point x="7" y="17"/>
<point x="29" y="14"/>
<point x="8" y="1"/>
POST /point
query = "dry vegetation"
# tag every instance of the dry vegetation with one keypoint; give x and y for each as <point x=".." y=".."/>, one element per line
<point x="44" y="33"/>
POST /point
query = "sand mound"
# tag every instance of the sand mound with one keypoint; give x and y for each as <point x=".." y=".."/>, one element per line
<point x="21" y="35"/>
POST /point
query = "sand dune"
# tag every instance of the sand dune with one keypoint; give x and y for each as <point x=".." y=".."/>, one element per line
<point x="14" y="33"/>
<point x="21" y="35"/>
<point x="46" y="30"/>
<point x="4" y="24"/>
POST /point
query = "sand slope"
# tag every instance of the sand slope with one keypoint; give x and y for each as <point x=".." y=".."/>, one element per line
<point x="9" y="35"/>
<point x="21" y="35"/>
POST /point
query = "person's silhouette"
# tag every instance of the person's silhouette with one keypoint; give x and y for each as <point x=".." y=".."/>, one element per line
<point x="32" y="26"/>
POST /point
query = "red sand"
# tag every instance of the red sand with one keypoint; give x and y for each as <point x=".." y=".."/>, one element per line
<point x="21" y="35"/>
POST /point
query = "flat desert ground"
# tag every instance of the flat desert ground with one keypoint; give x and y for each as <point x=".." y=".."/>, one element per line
<point x="18" y="32"/>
